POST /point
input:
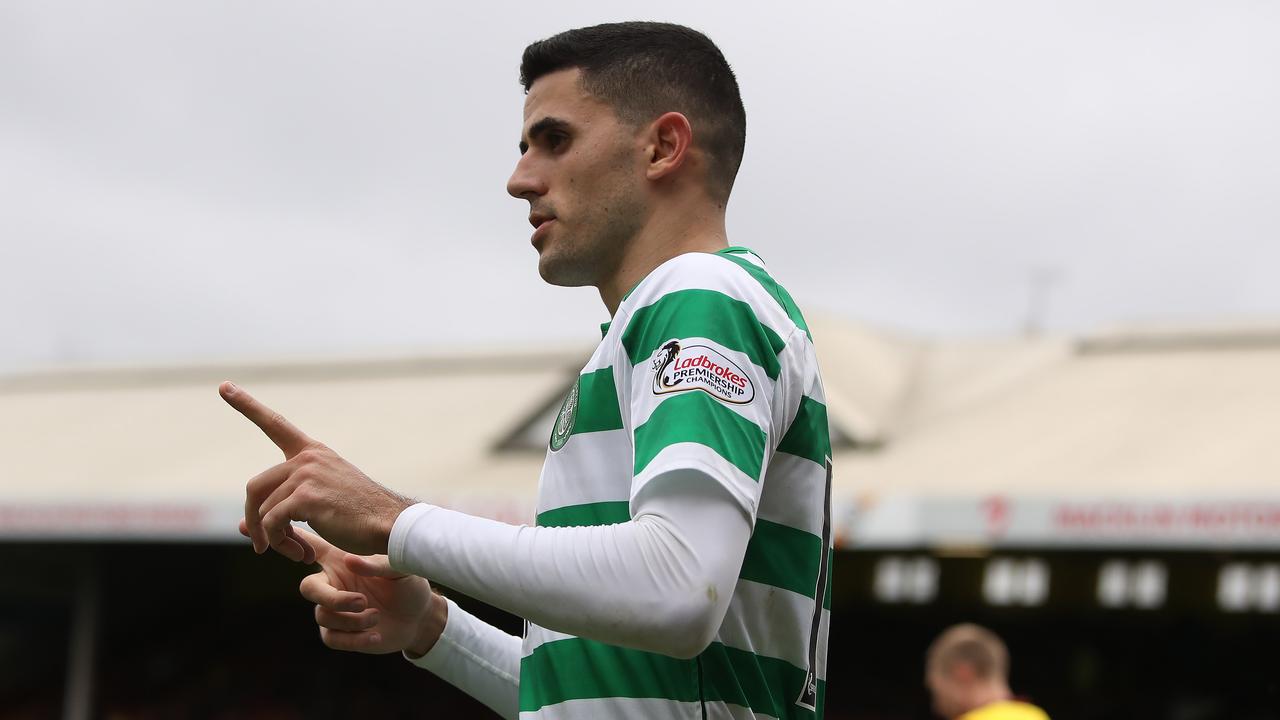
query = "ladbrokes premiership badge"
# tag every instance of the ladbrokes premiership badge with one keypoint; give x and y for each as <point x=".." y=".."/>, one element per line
<point x="563" y="428"/>
<point x="679" y="367"/>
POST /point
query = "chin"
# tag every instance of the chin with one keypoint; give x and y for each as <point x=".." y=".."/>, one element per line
<point x="560" y="271"/>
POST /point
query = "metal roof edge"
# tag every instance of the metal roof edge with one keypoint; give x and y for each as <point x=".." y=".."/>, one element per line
<point x="288" y="370"/>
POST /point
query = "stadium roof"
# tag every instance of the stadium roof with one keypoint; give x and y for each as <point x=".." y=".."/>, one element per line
<point x="1161" y="437"/>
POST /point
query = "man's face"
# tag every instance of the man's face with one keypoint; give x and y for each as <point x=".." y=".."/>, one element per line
<point x="582" y="171"/>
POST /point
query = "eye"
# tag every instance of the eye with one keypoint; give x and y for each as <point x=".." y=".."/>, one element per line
<point x="556" y="140"/>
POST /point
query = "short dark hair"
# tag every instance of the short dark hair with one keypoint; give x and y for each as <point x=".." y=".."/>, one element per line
<point x="644" y="69"/>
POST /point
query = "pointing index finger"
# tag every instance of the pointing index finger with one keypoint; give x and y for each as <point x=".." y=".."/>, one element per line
<point x="283" y="433"/>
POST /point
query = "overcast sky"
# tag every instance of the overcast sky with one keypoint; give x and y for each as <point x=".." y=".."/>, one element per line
<point x="211" y="180"/>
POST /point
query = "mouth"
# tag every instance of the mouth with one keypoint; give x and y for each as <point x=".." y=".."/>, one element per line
<point x="541" y="226"/>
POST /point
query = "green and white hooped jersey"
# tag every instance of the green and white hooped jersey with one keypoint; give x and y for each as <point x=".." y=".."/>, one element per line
<point x="709" y="365"/>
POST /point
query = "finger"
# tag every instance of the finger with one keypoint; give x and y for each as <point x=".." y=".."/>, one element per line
<point x="293" y="547"/>
<point x="345" y="621"/>
<point x="324" y="552"/>
<point x="308" y="551"/>
<point x="372" y="566"/>
<point x="283" y="433"/>
<point x="290" y="550"/>
<point x="275" y="522"/>
<point x="367" y="641"/>
<point x="317" y="589"/>
<point x="311" y="549"/>
<point x="258" y="488"/>
<point x="279" y="494"/>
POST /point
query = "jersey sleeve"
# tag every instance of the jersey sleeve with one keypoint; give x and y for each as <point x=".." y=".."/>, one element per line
<point x="478" y="659"/>
<point x="701" y="376"/>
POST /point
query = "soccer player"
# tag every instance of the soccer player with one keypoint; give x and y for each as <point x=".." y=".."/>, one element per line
<point x="967" y="672"/>
<point x="680" y="562"/>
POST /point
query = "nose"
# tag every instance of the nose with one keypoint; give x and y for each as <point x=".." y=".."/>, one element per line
<point x="525" y="181"/>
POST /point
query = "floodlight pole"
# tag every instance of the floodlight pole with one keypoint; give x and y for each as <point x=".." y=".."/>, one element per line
<point x="77" y="704"/>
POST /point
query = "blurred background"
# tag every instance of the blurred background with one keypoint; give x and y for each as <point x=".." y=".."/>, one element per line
<point x="1038" y="244"/>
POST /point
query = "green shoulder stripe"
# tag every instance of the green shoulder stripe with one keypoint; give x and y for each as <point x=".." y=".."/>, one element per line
<point x="597" y="403"/>
<point x="599" y="513"/>
<point x="809" y="435"/>
<point x="702" y="313"/>
<point x="772" y="287"/>
<point x="696" y="417"/>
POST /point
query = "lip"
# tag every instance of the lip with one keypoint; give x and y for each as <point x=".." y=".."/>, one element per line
<point x="540" y="232"/>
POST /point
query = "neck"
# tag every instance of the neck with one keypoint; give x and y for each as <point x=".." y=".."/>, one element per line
<point x="666" y="235"/>
<point x="984" y="695"/>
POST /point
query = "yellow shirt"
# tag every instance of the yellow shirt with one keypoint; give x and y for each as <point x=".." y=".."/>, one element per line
<point x="1006" y="710"/>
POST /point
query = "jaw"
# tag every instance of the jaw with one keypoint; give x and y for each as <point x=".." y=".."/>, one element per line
<point x="559" y="264"/>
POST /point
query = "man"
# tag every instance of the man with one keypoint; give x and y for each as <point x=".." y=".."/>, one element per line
<point x="967" y="671"/>
<point x="679" y="567"/>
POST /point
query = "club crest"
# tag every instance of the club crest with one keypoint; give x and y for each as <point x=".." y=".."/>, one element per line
<point x="563" y="428"/>
<point x="680" y="367"/>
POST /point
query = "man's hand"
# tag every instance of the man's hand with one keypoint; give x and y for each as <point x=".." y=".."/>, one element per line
<point x="315" y="485"/>
<point x="362" y="605"/>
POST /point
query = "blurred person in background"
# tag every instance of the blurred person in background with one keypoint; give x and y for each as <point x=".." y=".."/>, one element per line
<point x="967" y="673"/>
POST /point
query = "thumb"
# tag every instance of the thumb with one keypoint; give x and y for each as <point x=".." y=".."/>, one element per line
<point x="372" y="566"/>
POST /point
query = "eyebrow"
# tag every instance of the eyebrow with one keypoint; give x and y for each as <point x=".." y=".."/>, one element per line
<point x="542" y="127"/>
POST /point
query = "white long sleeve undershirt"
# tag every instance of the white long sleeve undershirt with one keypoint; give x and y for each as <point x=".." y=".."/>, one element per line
<point x="478" y="659"/>
<point x="660" y="582"/>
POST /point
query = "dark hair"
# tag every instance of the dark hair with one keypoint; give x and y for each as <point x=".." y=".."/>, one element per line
<point x="644" y="69"/>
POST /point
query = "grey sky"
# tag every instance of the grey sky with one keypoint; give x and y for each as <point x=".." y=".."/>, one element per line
<point x="204" y="180"/>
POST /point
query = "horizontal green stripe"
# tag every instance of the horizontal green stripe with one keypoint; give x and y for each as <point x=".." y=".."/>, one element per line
<point x="772" y="287"/>
<point x="706" y="314"/>
<point x="597" y="403"/>
<point x="784" y="557"/>
<point x="578" y="669"/>
<point x="764" y="684"/>
<point x="600" y="513"/>
<point x="696" y="417"/>
<point x="809" y="435"/>
<point x="582" y="669"/>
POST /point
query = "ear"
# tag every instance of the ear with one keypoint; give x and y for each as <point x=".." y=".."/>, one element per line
<point x="670" y="142"/>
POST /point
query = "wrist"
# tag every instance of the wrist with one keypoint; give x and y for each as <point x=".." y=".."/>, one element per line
<point x="387" y="519"/>
<point x="430" y="627"/>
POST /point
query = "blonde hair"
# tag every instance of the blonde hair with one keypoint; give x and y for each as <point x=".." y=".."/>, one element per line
<point x="973" y="645"/>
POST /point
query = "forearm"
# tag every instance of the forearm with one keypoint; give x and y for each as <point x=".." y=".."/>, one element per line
<point x="661" y="582"/>
<point x="477" y="658"/>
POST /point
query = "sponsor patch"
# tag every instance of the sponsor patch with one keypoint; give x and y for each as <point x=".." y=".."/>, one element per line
<point x="680" y="366"/>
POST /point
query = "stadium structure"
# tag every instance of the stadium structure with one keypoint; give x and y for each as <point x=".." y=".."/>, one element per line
<point x="1109" y="504"/>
